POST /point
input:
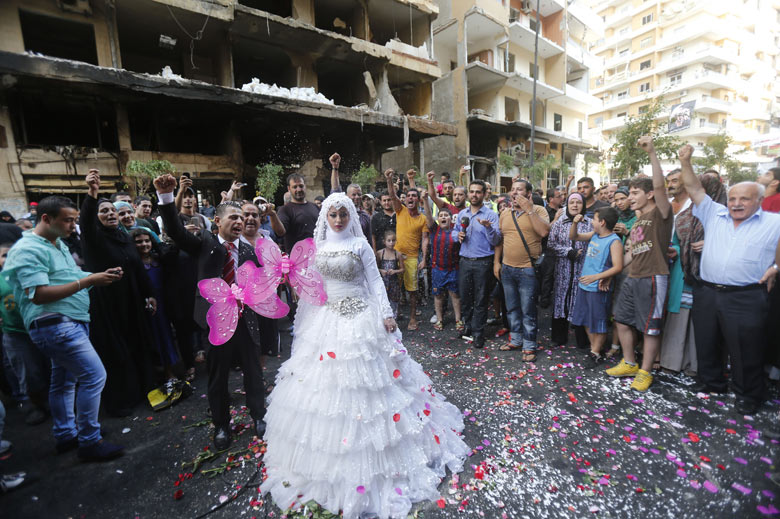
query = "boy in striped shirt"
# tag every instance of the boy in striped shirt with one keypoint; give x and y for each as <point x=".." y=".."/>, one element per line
<point x="445" y="254"/>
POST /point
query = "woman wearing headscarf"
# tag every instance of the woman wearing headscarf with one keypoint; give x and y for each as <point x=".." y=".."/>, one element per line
<point x="7" y="217"/>
<point x="118" y="326"/>
<point x="127" y="221"/>
<point x="570" y="257"/>
<point x="678" y="350"/>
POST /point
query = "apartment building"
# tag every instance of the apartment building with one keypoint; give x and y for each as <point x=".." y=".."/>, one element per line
<point x="718" y="56"/>
<point x="92" y="83"/>
<point x="485" y="49"/>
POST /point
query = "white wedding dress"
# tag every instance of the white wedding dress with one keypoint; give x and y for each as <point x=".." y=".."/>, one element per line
<point x="353" y="422"/>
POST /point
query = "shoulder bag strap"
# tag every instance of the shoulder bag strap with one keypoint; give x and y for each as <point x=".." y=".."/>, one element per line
<point x="525" y="243"/>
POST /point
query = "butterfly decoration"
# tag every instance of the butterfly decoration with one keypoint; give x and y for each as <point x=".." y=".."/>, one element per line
<point x="294" y="269"/>
<point x="256" y="288"/>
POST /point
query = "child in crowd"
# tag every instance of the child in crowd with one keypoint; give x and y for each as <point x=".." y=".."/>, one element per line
<point x="603" y="260"/>
<point x="445" y="254"/>
<point x="391" y="265"/>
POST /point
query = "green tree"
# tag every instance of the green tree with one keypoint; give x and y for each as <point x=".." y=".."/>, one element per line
<point x="541" y="169"/>
<point x="627" y="158"/>
<point x="365" y="177"/>
<point x="269" y="178"/>
<point x="717" y="156"/>
<point x="143" y="173"/>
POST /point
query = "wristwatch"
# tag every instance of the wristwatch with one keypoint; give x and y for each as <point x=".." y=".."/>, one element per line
<point x="775" y="266"/>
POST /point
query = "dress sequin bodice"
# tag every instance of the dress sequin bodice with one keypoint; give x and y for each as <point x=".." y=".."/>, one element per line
<point x="338" y="265"/>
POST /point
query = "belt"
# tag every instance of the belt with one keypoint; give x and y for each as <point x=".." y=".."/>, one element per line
<point x="51" y="320"/>
<point x="732" y="288"/>
<point x="477" y="259"/>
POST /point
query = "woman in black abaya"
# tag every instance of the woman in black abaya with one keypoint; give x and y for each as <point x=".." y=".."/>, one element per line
<point x="118" y="328"/>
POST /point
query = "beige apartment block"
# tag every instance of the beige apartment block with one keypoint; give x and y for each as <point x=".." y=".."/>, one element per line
<point x="485" y="49"/>
<point x="83" y="86"/>
<point x="722" y="54"/>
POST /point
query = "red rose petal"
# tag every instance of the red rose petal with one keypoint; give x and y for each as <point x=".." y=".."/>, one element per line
<point x="396" y="417"/>
<point x="441" y="502"/>
<point x="178" y="494"/>
<point x="332" y="355"/>
<point x="426" y="412"/>
<point x="436" y="438"/>
<point x="396" y="373"/>
<point x="320" y="357"/>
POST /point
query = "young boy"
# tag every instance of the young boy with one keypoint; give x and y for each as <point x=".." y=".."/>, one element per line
<point x="603" y="260"/>
<point x="445" y="254"/>
<point x="643" y="294"/>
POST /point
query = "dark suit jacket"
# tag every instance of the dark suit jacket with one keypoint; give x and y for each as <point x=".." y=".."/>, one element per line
<point x="210" y="256"/>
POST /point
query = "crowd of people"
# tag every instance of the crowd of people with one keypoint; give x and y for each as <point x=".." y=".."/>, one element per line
<point x="673" y="272"/>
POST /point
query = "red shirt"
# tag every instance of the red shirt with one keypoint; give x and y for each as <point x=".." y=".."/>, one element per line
<point x="445" y="252"/>
<point x="771" y="203"/>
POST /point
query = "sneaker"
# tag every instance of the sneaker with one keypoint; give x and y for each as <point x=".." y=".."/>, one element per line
<point x="434" y="319"/>
<point x="642" y="380"/>
<point x="11" y="481"/>
<point x="623" y="369"/>
<point x="100" y="451"/>
<point x="5" y="446"/>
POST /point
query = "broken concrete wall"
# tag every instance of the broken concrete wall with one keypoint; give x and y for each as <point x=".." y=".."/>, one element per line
<point x="12" y="195"/>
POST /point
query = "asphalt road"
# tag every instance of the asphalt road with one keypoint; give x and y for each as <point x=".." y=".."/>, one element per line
<point x="550" y="439"/>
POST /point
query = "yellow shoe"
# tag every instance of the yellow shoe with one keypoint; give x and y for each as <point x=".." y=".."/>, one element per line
<point x="642" y="380"/>
<point x="623" y="370"/>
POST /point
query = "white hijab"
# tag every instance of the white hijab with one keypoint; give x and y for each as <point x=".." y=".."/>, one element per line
<point x="323" y="231"/>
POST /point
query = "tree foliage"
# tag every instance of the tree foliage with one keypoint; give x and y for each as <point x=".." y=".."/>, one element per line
<point x="365" y="177"/>
<point x="717" y="156"/>
<point x="541" y="169"/>
<point x="269" y="178"/>
<point x="143" y="173"/>
<point x="627" y="158"/>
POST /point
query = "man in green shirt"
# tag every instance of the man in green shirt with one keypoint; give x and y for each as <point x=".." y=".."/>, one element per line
<point x="49" y="289"/>
<point x="28" y="364"/>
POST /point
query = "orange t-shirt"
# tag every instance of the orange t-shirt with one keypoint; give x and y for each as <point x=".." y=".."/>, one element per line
<point x="409" y="231"/>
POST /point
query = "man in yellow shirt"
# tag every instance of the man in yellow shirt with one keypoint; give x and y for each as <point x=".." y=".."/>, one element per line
<point x="411" y="237"/>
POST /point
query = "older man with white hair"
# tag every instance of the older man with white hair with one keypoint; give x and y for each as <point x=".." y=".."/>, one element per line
<point x="738" y="269"/>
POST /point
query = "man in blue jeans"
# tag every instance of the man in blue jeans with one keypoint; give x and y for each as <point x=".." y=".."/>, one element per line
<point x="50" y="291"/>
<point x="522" y="229"/>
<point x="476" y="228"/>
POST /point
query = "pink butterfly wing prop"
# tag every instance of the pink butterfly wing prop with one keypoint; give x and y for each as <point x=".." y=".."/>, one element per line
<point x="272" y="307"/>
<point x="222" y="317"/>
<point x="269" y="276"/>
<point x="249" y="278"/>
<point x="307" y="283"/>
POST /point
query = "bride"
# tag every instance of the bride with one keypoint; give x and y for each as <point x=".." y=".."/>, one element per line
<point x="353" y="422"/>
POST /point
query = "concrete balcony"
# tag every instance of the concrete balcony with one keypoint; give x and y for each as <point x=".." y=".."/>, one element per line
<point x="521" y="34"/>
<point x="525" y="83"/>
<point x="614" y="123"/>
<point x="577" y="99"/>
<point x="584" y="58"/>
<point x="711" y="54"/>
<point x="701" y="129"/>
<point x="703" y="78"/>
<point x="709" y="105"/>
<point x="750" y="112"/>
<point x="708" y="27"/>
<point x="617" y="39"/>
<point x="481" y="77"/>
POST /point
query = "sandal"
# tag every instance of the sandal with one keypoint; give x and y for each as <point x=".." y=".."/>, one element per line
<point x="438" y="326"/>
<point x="459" y="326"/>
<point x="200" y="356"/>
<point x="509" y="347"/>
<point x="529" y="356"/>
<point x="189" y="375"/>
<point x="502" y="332"/>
<point x="412" y="327"/>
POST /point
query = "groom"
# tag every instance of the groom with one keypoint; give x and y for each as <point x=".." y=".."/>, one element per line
<point x="218" y="257"/>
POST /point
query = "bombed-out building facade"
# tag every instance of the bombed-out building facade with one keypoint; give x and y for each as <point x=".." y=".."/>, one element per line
<point x="215" y="87"/>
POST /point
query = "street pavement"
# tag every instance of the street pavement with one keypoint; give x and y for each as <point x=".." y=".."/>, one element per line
<point x="550" y="439"/>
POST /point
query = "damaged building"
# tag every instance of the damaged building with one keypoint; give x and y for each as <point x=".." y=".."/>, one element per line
<point x="216" y="87"/>
<point x="485" y="49"/>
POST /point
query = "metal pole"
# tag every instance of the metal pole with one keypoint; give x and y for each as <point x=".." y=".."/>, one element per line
<point x="536" y="74"/>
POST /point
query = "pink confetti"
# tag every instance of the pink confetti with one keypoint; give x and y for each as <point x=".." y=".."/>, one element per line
<point x="741" y="461"/>
<point x="399" y="492"/>
<point x="361" y="489"/>
<point x="681" y="473"/>
<point x="767" y="510"/>
<point x="740" y="488"/>
<point x="710" y="486"/>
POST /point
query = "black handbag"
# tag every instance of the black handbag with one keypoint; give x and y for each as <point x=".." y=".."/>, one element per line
<point x="535" y="262"/>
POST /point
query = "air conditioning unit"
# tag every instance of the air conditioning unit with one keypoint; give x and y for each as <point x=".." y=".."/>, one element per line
<point x="514" y="15"/>
<point x="683" y="93"/>
<point x="525" y="6"/>
<point x="517" y="149"/>
<point x="75" y="6"/>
